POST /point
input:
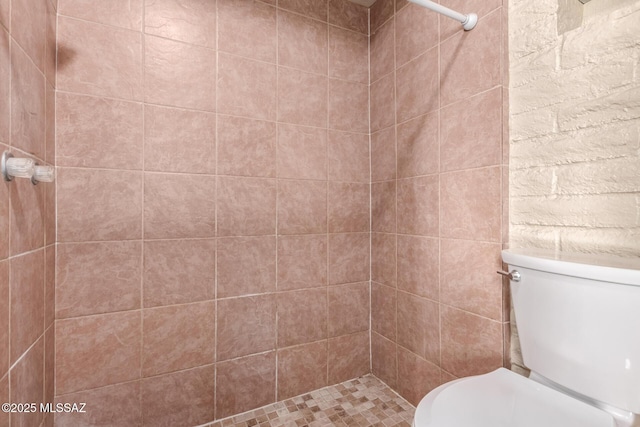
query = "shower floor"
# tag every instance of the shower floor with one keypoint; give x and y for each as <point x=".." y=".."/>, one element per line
<point x="364" y="401"/>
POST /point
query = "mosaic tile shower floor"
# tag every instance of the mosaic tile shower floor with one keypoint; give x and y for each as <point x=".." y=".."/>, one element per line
<point x="364" y="401"/>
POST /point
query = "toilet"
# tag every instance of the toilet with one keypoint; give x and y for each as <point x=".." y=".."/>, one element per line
<point x="578" y="318"/>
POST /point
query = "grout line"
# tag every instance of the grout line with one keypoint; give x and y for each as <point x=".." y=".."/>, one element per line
<point x="277" y="219"/>
<point x="215" y="214"/>
<point x="395" y="151"/>
<point x="328" y="70"/>
<point x="439" y="144"/>
<point x="170" y="239"/>
<point x="209" y="112"/>
<point x="370" y="196"/>
<point x="143" y="47"/>
<point x="56" y="187"/>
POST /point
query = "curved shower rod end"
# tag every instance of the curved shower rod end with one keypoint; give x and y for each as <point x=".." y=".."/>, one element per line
<point x="470" y="22"/>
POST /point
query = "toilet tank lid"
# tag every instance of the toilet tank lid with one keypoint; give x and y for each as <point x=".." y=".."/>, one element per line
<point x="601" y="267"/>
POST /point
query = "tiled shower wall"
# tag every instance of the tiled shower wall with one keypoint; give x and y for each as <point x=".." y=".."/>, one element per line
<point x="27" y="212"/>
<point x="213" y="205"/>
<point x="439" y="180"/>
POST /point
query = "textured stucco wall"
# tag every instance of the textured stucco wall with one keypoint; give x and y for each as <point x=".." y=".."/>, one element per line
<point x="574" y="126"/>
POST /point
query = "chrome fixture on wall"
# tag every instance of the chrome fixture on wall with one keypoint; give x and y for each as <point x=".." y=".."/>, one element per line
<point x="21" y="167"/>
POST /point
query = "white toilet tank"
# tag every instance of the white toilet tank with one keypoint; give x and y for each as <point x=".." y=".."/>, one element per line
<point x="578" y="317"/>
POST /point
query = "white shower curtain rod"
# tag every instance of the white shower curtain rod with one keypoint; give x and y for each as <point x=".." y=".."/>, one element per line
<point x="468" y="21"/>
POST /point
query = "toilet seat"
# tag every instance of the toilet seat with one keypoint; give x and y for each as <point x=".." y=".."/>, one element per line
<point x="505" y="399"/>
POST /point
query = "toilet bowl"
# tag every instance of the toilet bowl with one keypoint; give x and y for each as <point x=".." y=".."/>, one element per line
<point x="505" y="399"/>
<point x="578" y="322"/>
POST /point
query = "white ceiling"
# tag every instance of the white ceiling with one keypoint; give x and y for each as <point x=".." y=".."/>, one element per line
<point x="364" y="2"/>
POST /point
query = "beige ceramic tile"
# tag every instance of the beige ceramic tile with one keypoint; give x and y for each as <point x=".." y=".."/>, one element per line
<point x="418" y="206"/>
<point x="178" y="271"/>
<point x="479" y="289"/>
<point x="28" y="123"/>
<point x="246" y="147"/>
<point x="416" y="32"/>
<point x="245" y="383"/>
<point x="5" y="417"/>
<point x="383" y="155"/>
<point x="383" y="258"/>
<point x="180" y="398"/>
<point x="302" y="43"/>
<point x="246" y="88"/>
<point x="316" y="9"/>
<point x="247" y="28"/>
<point x="416" y="376"/>
<point x="178" y="337"/>
<point x="5" y="17"/>
<point x="253" y="318"/>
<point x="348" y="357"/>
<point x="246" y="206"/>
<point x="119" y="13"/>
<point x="302" y="369"/>
<point x="302" y="262"/>
<point x="348" y="309"/>
<point x="382" y="51"/>
<point x="118" y="404"/>
<point x="419" y="265"/>
<point x="29" y="28"/>
<point x="99" y="205"/>
<point x="5" y="87"/>
<point x="479" y="142"/>
<point x="348" y="258"/>
<point x="27" y="384"/>
<point x="179" y="74"/>
<point x="98" y="132"/>
<point x="172" y="212"/>
<point x="97" y="351"/>
<point x="471" y="204"/>
<point x="82" y="47"/>
<point x="348" y="157"/>
<point x="302" y="207"/>
<point x="383" y="207"/>
<point x="413" y="80"/>
<point x="379" y="12"/>
<point x="471" y="344"/>
<point x="383" y="359"/>
<point x="348" y="55"/>
<point x="302" y="316"/>
<point x="302" y="152"/>
<point x="302" y="98"/>
<point x="418" y="146"/>
<point x="383" y="310"/>
<point x="469" y="49"/>
<point x="346" y="14"/>
<point x="177" y="140"/>
<point x="419" y="314"/>
<point x="255" y="257"/>
<point x="348" y="106"/>
<point x="93" y="278"/>
<point x="27" y="301"/>
<point x="27" y="216"/>
<point x="348" y="207"/>
<point x="193" y="22"/>
<point x="5" y="312"/>
<point x="383" y="108"/>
